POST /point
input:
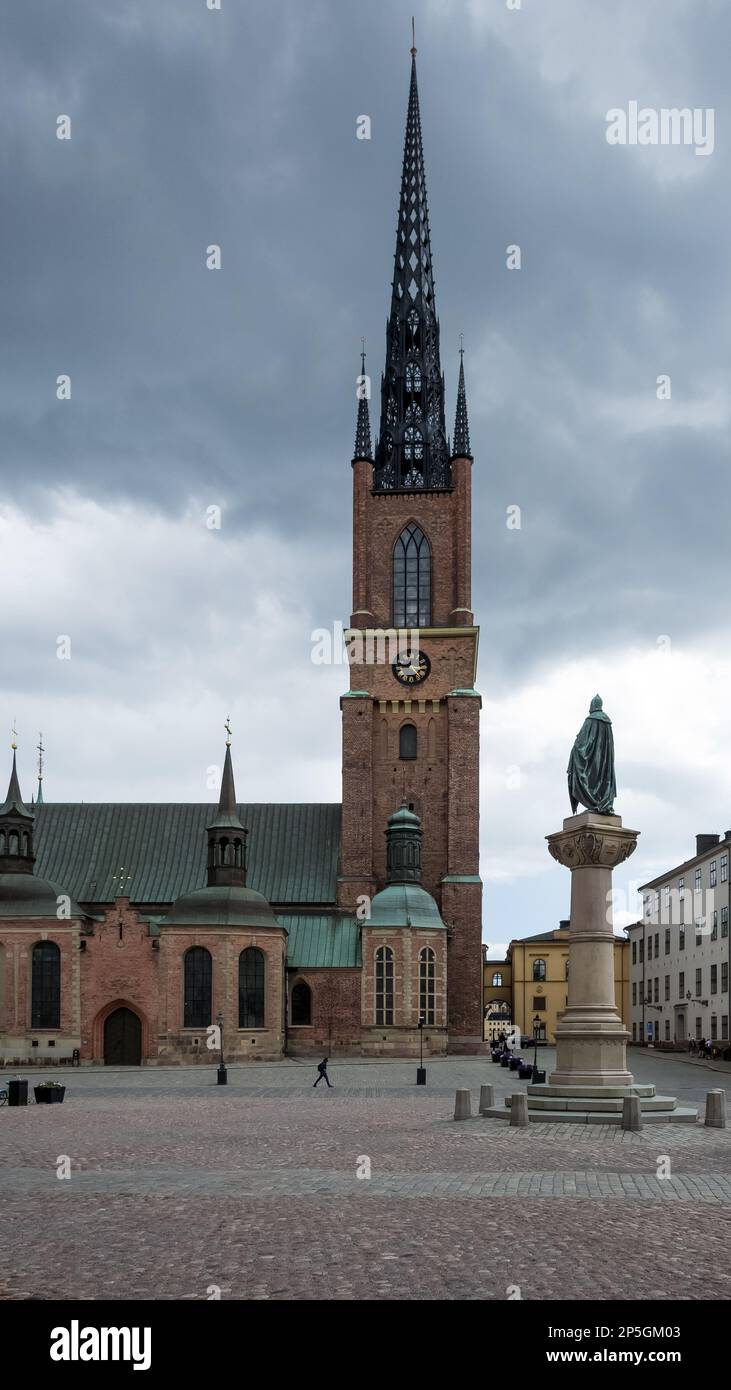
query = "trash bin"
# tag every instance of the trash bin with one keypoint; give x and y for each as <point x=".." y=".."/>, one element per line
<point x="17" y="1092"/>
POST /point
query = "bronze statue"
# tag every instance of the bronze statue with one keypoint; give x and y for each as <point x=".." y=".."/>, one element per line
<point x="591" y="765"/>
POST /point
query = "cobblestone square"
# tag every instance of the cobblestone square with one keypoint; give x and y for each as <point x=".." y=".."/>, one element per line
<point x="180" y="1189"/>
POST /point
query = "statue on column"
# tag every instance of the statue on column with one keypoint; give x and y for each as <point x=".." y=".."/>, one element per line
<point x="591" y="765"/>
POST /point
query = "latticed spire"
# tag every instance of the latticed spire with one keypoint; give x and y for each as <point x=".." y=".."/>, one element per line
<point x="363" y="449"/>
<point x="461" y="443"/>
<point x="412" y="447"/>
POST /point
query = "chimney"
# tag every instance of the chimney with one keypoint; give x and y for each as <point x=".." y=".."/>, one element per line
<point x="564" y="925"/>
<point x="705" y="842"/>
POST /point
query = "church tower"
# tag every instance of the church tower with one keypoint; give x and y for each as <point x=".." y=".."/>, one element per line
<point x="411" y="716"/>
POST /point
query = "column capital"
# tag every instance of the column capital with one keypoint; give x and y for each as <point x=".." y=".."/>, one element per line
<point x="590" y="839"/>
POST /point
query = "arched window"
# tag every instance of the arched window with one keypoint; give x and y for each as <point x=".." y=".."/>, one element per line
<point x="197" y="972"/>
<point x="497" y="977"/>
<point x="251" y="988"/>
<point x="301" y="1005"/>
<point x="384" y="986"/>
<point x="407" y="741"/>
<point x="46" y="985"/>
<point x="567" y="970"/>
<point x="539" y="970"/>
<point x="426" y="985"/>
<point x="412" y="579"/>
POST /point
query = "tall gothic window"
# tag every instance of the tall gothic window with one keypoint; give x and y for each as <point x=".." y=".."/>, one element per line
<point x="384" y="986"/>
<point x="197" y="971"/>
<point x="251" y="988"/>
<point x="407" y="741"/>
<point x="46" y="985"/>
<point x="539" y="969"/>
<point x="301" y="1005"/>
<point x="426" y="985"/>
<point x="412" y="579"/>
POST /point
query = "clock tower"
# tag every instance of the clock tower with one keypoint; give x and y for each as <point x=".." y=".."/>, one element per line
<point x="411" y="716"/>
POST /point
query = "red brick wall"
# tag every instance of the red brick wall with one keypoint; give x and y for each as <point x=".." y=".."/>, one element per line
<point x="240" y="1044"/>
<point x="17" y="939"/>
<point x="335" y="1025"/>
<point x="119" y="969"/>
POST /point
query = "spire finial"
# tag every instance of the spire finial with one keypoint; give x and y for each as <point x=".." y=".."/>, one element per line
<point x="13" y="736"/>
<point x="227" y="727"/>
<point x="461" y="344"/>
<point x="41" y="751"/>
<point x="413" y="37"/>
<point x="362" y="356"/>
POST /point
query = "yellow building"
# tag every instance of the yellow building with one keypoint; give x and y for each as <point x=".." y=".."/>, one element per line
<point x="497" y="995"/>
<point x="533" y="982"/>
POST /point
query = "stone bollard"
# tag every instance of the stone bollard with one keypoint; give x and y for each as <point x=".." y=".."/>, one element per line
<point x="631" y="1113"/>
<point x="462" y="1105"/>
<point x="487" y="1098"/>
<point x="716" y="1109"/>
<point x="519" y="1109"/>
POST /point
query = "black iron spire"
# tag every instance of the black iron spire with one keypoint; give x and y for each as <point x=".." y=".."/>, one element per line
<point x="226" y="834"/>
<point x="461" y="443"/>
<point x="16" y="829"/>
<point x="363" y="449"/>
<point x="412" y="447"/>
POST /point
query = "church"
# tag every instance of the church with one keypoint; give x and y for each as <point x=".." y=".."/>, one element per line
<point x="127" y="930"/>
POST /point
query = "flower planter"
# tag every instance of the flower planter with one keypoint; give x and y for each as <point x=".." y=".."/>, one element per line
<point x="539" y="1078"/>
<point x="504" y="1061"/>
<point x="525" y="1071"/>
<point x="49" y="1095"/>
<point x="17" y="1092"/>
<point x="514" y="1063"/>
<point x="496" y="1057"/>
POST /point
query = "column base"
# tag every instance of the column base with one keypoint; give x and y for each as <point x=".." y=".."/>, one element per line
<point x="591" y="1052"/>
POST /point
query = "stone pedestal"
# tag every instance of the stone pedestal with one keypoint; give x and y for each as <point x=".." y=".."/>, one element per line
<point x="591" y="1039"/>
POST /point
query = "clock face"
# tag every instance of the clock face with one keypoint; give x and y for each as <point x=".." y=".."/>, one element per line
<point x="411" y="669"/>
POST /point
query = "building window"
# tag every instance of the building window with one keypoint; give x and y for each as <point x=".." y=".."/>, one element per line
<point x="681" y="984"/>
<point x="649" y="948"/>
<point x="634" y="1032"/>
<point x="634" y="952"/>
<point x="667" y="986"/>
<point x="724" y="868"/>
<point x="724" y="921"/>
<point x="714" y="979"/>
<point x="666" y="897"/>
<point x="714" y="925"/>
<point x="412" y="579"/>
<point x="407" y="741"/>
<point x="667" y="941"/>
<point x="648" y="996"/>
<point x="667" y="1030"/>
<point x="539" y="969"/>
<point x="301" y="1005"/>
<point x="46" y="985"/>
<point x="697" y="883"/>
<point x="642" y="951"/>
<point x="656" y="904"/>
<point x="426" y="985"/>
<point x="714" y="1028"/>
<point x="647" y="900"/>
<point x="251" y="988"/>
<point x="634" y="991"/>
<point x="681" y="887"/>
<point x="699" y="981"/>
<point x="724" y="976"/>
<point x="699" y="931"/>
<point x="712" y="874"/>
<point x="497" y="978"/>
<point x="681" y="939"/>
<point x="698" y="1029"/>
<point x="567" y="970"/>
<point x="197" y="971"/>
<point x="539" y="1003"/>
<point x="724" y="1027"/>
<point x="657" y="944"/>
<point x="657" y="989"/>
<point x="384" y="986"/>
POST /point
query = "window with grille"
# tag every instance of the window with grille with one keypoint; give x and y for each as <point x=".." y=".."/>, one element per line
<point x="46" y="985"/>
<point x="384" y="986"/>
<point x="251" y="988"/>
<point x="407" y="742"/>
<point x="426" y="985"/>
<point x="412" y="579"/>
<point x="197" y="970"/>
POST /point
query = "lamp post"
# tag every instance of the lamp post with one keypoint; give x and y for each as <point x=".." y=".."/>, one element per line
<point x="222" y="1075"/>
<point x="536" y="1026"/>
<point x="421" y="1069"/>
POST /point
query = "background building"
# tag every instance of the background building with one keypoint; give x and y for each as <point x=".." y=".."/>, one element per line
<point x="681" y="950"/>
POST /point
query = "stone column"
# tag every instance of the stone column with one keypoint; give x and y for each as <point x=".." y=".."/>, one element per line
<point x="591" y="1039"/>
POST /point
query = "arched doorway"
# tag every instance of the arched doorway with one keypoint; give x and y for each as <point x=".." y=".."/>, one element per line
<point x="122" y="1039"/>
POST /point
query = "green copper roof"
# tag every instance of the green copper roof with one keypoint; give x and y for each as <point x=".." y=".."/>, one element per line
<point x="404" y="905"/>
<point x="221" y="905"/>
<point x="328" y="940"/>
<point x="293" y="849"/>
<point x="24" y="895"/>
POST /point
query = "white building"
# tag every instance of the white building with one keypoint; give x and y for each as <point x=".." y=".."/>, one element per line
<point x="680" y="953"/>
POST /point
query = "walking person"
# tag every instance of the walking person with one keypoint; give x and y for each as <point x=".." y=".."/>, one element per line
<point x="322" y="1069"/>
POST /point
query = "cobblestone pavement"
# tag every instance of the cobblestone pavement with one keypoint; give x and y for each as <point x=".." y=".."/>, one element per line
<point x="179" y="1188"/>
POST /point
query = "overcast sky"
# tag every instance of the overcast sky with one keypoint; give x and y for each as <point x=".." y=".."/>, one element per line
<point x="193" y="388"/>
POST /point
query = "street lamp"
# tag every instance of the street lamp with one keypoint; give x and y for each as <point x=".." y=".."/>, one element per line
<point x="421" y="1069"/>
<point x="222" y="1075"/>
<point x="536" y="1026"/>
